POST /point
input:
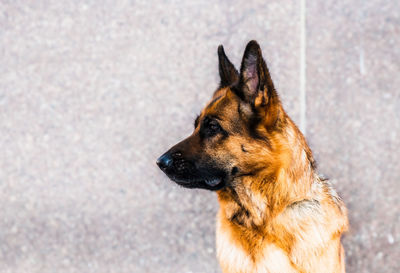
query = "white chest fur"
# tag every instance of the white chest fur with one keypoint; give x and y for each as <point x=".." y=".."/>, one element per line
<point x="234" y="259"/>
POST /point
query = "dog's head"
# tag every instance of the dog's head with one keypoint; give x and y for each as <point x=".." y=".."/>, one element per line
<point x="239" y="133"/>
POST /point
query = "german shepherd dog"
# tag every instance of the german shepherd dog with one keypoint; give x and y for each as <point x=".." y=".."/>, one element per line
<point x="276" y="214"/>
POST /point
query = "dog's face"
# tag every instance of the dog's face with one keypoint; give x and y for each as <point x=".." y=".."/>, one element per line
<point x="237" y="134"/>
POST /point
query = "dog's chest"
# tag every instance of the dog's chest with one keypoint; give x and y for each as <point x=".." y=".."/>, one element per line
<point x="234" y="259"/>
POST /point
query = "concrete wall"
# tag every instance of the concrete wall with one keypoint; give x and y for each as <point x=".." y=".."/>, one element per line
<point x="92" y="92"/>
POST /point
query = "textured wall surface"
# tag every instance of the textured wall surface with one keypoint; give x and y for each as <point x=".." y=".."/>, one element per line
<point x="92" y="92"/>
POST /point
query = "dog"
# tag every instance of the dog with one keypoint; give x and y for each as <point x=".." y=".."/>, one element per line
<point x="276" y="214"/>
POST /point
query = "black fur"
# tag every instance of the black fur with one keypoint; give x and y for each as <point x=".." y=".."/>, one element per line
<point x="227" y="71"/>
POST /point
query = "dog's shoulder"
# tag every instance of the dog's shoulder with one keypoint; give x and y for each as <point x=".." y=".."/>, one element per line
<point x="323" y="210"/>
<point x="315" y="225"/>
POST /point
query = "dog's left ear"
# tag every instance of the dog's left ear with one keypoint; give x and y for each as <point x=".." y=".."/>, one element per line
<point x="227" y="71"/>
<point x="255" y="84"/>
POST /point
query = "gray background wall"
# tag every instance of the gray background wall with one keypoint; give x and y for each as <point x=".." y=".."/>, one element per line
<point x="91" y="92"/>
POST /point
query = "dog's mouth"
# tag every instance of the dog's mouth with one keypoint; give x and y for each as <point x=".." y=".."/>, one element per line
<point x="191" y="174"/>
<point x="213" y="181"/>
<point x="210" y="183"/>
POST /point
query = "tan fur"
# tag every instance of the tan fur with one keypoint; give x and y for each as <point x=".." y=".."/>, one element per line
<point x="285" y="219"/>
<point x="276" y="214"/>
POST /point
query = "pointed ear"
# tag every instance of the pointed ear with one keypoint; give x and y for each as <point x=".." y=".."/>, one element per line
<point x="255" y="83"/>
<point x="227" y="71"/>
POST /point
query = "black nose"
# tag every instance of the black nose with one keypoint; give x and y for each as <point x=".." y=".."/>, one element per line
<point x="164" y="161"/>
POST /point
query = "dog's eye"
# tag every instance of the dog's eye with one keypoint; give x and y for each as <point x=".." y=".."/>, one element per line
<point x="211" y="127"/>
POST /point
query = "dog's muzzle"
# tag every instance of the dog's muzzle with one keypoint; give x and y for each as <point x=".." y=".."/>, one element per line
<point x="184" y="172"/>
<point x="174" y="164"/>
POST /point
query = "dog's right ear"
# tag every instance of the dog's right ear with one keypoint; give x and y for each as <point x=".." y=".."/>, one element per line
<point x="255" y="86"/>
<point x="227" y="71"/>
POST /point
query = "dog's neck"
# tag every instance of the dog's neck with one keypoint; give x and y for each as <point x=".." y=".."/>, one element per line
<point x="252" y="200"/>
